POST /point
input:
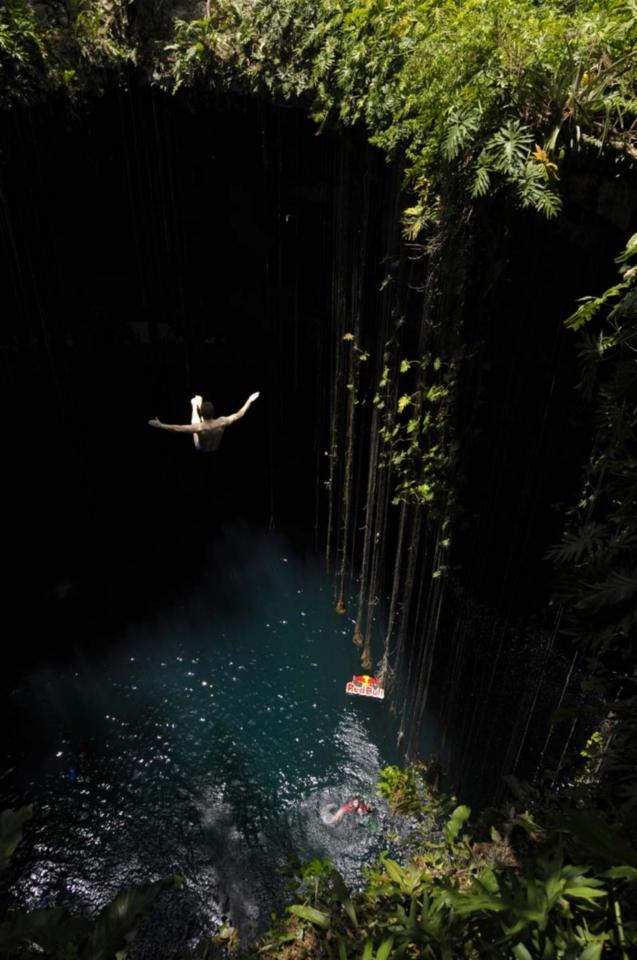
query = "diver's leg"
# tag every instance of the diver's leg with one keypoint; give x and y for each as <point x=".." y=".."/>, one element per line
<point x="195" y="403"/>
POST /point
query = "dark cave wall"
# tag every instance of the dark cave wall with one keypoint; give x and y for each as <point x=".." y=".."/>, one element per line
<point x="525" y="434"/>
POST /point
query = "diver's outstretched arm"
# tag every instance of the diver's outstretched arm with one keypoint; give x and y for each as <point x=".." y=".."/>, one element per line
<point x="336" y="816"/>
<point x="179" y="427"/>
<point x="244" y="409"/>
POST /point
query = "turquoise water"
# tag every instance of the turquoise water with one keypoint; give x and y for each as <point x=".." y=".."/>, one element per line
<point x="209" y="743"/>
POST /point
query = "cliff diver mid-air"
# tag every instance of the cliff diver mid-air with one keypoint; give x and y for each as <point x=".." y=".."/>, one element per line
<point x="206" y="429"/>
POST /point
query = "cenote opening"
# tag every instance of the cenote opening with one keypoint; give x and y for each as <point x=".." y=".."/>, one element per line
<point x="410" y="240"/>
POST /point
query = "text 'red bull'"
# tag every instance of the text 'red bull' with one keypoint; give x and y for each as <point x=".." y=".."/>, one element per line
<point x="365" y="686"/>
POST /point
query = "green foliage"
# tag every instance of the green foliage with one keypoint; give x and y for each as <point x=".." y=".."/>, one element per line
<point x="100" y="30"/>
<point x="508" y="153"/>
<point x="23" y="52"/>
<point x="403" y="790"/>
<point x="417" y="440"/>
<point x="474" y="86"/>
<point x="47" y="49"/>
<point x="309" y="913"/>
<point x="590" y="306"/>
<point x="455" y="823"/>
<point x="207" y="51"/>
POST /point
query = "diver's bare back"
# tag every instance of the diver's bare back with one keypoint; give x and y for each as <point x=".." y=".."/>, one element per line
<point x="207" y="432"/>
<point x="210" y="436"/>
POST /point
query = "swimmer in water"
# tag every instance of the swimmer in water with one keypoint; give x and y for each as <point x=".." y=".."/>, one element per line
<point x="359" y="807"/>
<point x="206" y="429"/>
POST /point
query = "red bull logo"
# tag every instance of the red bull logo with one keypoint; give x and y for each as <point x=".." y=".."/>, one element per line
<point x="365" y="686"/>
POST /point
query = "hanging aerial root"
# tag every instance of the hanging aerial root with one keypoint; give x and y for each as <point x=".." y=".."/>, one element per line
<point x="358" y="639"/>
<point x="384" y="672"/>
<point x="341" y="609"/>
<point x="366" y="661"/>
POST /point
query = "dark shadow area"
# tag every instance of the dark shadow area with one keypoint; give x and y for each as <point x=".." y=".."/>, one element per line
<point x="149" y="252"/>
